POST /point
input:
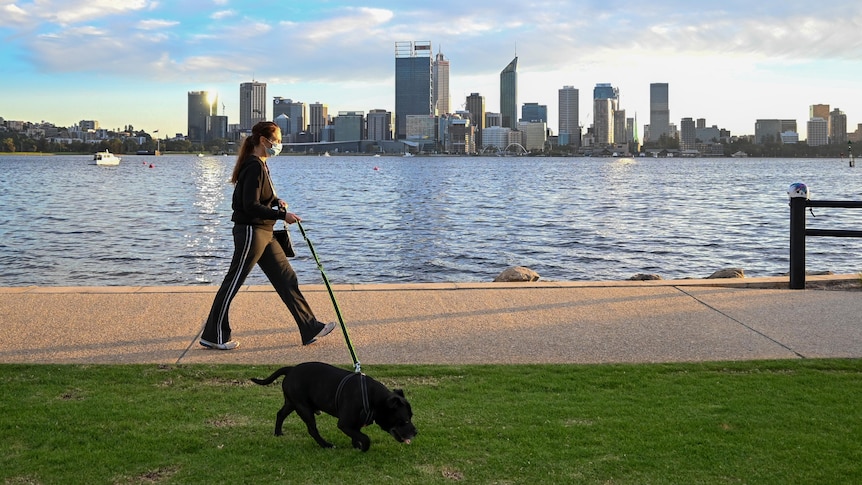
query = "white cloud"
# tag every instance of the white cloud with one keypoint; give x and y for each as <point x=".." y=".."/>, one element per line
<point x="223" y="14"/>
<point x="156" y="24"/>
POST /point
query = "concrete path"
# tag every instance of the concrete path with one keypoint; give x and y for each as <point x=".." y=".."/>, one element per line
<point x="496" y="323"/>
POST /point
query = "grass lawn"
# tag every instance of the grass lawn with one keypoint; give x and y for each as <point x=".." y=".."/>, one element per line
<point x="782" y="422"/>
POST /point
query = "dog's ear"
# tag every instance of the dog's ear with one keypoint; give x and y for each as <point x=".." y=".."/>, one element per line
<point x="399" y="392"/>
<point x="396" y="400"/>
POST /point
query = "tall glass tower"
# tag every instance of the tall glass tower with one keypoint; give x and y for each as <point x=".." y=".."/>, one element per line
<point x="413" y="92"/>
<point x="200" y="107"/>
<point x="570" y="128"/>
<point x="252" y="104"/>
<point x="509" y="95"/>
<point x="659" y="111"/>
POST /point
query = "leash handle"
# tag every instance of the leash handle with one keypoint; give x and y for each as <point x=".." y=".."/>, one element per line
<point x="356" y="366"/>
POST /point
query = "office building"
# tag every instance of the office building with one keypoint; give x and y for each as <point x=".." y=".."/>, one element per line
<point x="252" y="104"/>
<point x="413" y="92"/>
<point x="769" y="131"/>
<point x="297" y="114"/>
<point x="476" y="107"/>
<point x="531" y="112"/>
<point x="493" y="119"/>
<point x="569" y="131"/>
<point x="509" y="95"/>
<point x="349" y="126"/>
<point x="379" y="123"/>
<point x="687" y="134"/>
<point x="201" y="104"/>
<point x="818" y="132"/>
<point x="605" y="105"/>
<point x="440" y="85"/>
<point x="659" y="112"/>
<point x="534" y="135"/>
<point x="837" y="127"/>
<point x="318" y="118"/>
<point x="496" y="137"/>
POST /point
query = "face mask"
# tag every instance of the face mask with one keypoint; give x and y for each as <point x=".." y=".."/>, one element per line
<point x="274" y="149"/>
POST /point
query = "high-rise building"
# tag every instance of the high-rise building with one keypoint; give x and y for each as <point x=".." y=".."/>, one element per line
<point x="818" y="132"/>
<point x="603" y="121"/>
<point x="440" y="90"/>
<point x="605" y="106"/>
<point x="318" y="118"/>
<point x="569" y="132"/>
<point x="379" y="123"/>
<point x="509" y="94"/>
<point x="476" y="107"/>
<point x="200" y="106"/>
<point x="297" y="114"/>
<point x="252" y="104"/>
<point x="818" y="111"/>
<point x="837" y="127"/>
<point x="349" y="126"/>
<point x="534" y="112"/>
<point x="413" y="91"/>
<point x="659" y="111"/>
<point x="687" y="134"/>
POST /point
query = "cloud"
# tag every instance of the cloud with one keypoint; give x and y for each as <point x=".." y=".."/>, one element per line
<point x="156" y="24"/>
<point x="223" y="14"/>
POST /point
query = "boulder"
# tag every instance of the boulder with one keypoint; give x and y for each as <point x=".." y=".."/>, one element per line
<point x="645" y="277"/>
<point x="517" y="273"/>
<point x="727" y="273"/>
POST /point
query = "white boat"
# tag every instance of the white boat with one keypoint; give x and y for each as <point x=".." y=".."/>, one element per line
<point x="739" y="154"/>
<point x="106" y="158"/>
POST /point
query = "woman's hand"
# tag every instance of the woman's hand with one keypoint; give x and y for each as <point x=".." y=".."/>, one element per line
<point x="291" y="218"/>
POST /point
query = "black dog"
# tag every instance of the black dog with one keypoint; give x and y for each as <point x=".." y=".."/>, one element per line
<point x="355" y="399"/>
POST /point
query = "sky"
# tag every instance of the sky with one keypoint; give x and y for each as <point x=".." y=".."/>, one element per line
<point x="132" y="62"/>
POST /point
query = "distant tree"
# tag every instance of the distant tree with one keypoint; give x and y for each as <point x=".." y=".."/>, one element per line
<point x="9" y="145"/>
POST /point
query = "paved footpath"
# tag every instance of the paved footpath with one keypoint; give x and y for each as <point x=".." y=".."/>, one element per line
<point x="470" y="323"/>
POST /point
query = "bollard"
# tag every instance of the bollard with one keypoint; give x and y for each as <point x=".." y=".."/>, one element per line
<point x="799" y="195"/>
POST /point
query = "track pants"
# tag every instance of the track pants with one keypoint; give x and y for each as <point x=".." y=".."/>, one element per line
<point x="254" y="245"/>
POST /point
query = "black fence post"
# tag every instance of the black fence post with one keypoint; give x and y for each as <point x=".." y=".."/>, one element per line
<point x="797" y="243"/>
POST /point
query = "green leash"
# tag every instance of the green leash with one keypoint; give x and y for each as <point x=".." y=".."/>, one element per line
<point x="356" y="365"/>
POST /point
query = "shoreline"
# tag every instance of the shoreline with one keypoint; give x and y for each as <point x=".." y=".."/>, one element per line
<point x="812" y="282"/>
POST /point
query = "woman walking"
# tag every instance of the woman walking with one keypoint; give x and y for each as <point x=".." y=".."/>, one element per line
<point x="255" y="210"/>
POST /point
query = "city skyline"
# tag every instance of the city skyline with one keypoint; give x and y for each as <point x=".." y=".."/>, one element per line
<point x="135" y="62"/>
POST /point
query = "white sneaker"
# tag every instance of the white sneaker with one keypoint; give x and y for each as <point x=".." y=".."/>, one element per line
<point x="229" y="345"/>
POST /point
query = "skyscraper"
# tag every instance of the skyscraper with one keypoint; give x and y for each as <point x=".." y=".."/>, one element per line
<point x="605" y="106"/>
<point x="252" y="104"/>
<point x="297" y="114"/>
<point x="659" y="111"/>
<point x="440" y="91"/>
<point x="509" y="94"/>
<point x="570" y="128"/>
<point x="200" y="107"/>
<point x="476" y="107"/>
<point x="317" y="119"/>
<point x="413" y="92"/>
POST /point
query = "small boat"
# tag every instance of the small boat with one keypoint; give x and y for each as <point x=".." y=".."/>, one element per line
<point x="106" y="159"/>
<point x="739" y="154"/>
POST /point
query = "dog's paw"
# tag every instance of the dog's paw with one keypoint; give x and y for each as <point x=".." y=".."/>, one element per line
<point x="362" y="444"/>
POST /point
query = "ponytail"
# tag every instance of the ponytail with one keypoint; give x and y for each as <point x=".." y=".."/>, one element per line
<point x="261" y="129"/>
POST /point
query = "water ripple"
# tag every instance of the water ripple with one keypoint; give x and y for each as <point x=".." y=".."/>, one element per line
<point x="430" y="219"/>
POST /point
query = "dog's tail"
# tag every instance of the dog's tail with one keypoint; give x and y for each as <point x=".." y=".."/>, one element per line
<point x="275" y="375"/>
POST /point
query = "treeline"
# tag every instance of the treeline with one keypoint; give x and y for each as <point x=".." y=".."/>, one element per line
<point x="15" y="142"/>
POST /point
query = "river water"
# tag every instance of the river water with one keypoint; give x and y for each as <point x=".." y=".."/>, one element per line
<point x="166" y="220"/>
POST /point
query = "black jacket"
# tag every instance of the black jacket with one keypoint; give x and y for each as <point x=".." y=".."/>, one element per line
<point x="254" y="202"/>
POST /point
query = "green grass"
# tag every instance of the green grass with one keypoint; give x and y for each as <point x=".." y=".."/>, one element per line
<point x="779" y="422"/>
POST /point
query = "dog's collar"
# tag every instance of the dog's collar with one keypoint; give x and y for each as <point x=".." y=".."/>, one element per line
<point x="366" y="406"/>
